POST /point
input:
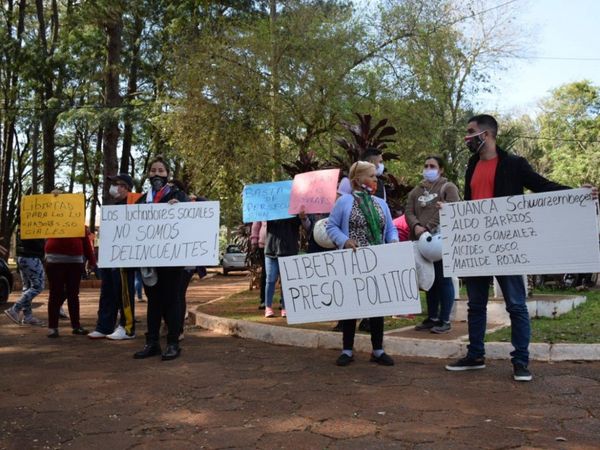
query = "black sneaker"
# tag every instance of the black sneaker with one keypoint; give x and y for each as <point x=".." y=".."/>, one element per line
<point x="521" y="372"/>
<point x="445" y="327"/>
<point x="261" y="306"/>
<point x="428" y="324"/>
<point x="467" y="363"/>
<point x="384" y="359"/>
<point x="80" y="331"/>
<point x="344" y="360"/>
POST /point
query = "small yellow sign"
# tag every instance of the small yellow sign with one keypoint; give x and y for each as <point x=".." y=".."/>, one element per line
<point x="52" y="216"/>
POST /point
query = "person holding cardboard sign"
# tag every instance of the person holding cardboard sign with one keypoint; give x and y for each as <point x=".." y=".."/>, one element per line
<point x="422" y="214"/>
<point x="163" y="285"/>
<point x="357" y="220"/>
<point x="493" y="172"/>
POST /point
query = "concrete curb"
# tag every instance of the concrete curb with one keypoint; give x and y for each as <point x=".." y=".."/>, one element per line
<point x="395" y="346"/>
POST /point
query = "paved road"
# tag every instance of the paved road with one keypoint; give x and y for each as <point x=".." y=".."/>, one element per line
<point x="230" y="393"/>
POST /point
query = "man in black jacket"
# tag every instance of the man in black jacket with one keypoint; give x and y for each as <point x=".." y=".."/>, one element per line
<point x="492" y="172"/>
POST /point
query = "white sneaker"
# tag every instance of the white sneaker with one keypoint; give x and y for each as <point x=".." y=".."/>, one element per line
<point x="96" y="335"/>
<point x="119" y="334"/>
<point x="34" y="321"/>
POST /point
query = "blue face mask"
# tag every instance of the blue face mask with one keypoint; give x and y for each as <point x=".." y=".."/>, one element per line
<point x="379" y="170"/>
<point x="431" y="175"/>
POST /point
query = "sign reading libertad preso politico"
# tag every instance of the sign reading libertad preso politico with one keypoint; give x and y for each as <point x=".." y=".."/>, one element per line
<point x="550" y="232"/>
<point x="374" y="281"/>
<point x="52" y="216"/>
<point x="159" y="235"/>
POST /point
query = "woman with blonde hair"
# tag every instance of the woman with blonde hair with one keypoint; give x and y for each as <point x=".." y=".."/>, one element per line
<point x="360" y="219"/>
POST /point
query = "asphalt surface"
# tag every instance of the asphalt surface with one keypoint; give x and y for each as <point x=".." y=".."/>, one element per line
<point x="225" y="392"/>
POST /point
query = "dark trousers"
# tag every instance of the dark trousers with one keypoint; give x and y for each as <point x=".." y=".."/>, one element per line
<point x="164" y="300"/>
<point x="64" y="278"/>
<point x="349" y="330"/>
<point x="116" y="294"/>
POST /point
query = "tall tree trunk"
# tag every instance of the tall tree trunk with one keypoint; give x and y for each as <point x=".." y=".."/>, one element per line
<point x="35" y="143"/>
<point x="10" y="94"/>
<point x="131" y="90"/>
<point x="275" y="131"/>
<point x="112" y="99"/>
<point x="95" y="180"/>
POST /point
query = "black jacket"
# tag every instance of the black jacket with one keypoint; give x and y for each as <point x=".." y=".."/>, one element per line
<point x="513" y="175"/>
<point x="174" y="193"/>
<point x="30" y="248"/>
<point x="283" y="237"/>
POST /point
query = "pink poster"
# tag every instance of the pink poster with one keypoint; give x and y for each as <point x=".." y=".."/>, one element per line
<point x="316" y="191"/>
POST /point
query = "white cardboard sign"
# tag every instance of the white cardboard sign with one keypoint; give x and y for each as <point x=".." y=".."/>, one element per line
<point x="159" y="235"/>
<point x="374" y="281"/>
<point x="549" y="232"/>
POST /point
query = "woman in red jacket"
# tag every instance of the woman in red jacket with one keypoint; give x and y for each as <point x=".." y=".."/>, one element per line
<point x="64" y="266"/>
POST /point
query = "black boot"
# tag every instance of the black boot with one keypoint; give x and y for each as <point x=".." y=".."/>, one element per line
<point x="171" y="352"/>
<point x="150" y="349"/>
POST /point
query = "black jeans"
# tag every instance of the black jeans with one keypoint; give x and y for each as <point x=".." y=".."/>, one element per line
<point x="116" y="295"/>
<point x="349" y="330"/>
<point x="164" y="300"/>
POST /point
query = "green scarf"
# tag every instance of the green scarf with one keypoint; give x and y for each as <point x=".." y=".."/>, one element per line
<point x="367" y="207"/>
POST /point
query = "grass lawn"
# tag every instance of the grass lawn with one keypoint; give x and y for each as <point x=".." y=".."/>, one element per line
<point x="245" y="306"/>
<point x="582" y="325"/>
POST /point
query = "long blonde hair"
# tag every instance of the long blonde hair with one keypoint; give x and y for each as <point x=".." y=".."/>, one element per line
<point x="357" y="170"/>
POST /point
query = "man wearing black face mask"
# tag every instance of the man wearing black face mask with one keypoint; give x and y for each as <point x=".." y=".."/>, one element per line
<point x="493" y="172"/>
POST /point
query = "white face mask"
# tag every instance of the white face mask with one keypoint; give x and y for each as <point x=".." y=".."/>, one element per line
<point x="379" y="170"/>
<point x="431" y="175"/>
<point x="114" y="191"/>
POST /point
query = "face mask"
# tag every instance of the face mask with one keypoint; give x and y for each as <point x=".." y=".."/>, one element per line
<point x="379" y="169"/>
<point x="114" y="191"/>
<point x="474" y="142"/>
<point x="158" y="182"/>
<point x="370" y="186"/>
<point x="431" y="175"/>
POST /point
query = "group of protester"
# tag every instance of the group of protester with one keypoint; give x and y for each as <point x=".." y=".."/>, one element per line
<point x="360" y="217"/>
<point x="65" y="259"/>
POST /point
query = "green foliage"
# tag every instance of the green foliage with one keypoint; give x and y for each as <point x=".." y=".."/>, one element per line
<point x="582" y="325"/>
<point x="570" y="129"/>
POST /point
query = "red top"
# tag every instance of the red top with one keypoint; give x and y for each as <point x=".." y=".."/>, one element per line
<point x="72" y="247"/>
<point x="482" y="183"/>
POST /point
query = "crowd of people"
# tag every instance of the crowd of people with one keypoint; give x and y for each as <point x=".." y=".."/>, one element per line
<point x="360" y="217"/>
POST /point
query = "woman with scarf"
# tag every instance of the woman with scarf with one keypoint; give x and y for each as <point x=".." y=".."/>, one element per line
<point x="162" y="284"/>
<point x="357" y="220"/>
<point x="422" y="214"/>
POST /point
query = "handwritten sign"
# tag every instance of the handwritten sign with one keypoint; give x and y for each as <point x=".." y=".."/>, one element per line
<point x="379" y="280"/>
<point x="315" y="191"/>
<point x="266" y="201"/>
<point x="52" y="216"/>
<point x="550" y="232"/>
<point x="159" y="235"/>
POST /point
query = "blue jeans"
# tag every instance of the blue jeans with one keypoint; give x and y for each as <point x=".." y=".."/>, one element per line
<point x="32" y="275"/>
<point x="138" y="284"/>
<point x="440" y="297"/>
<point x="515" y="295"/>
<point x="272" y="269"/>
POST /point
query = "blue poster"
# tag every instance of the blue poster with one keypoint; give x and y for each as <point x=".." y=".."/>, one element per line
<point x="266" y="201"/>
